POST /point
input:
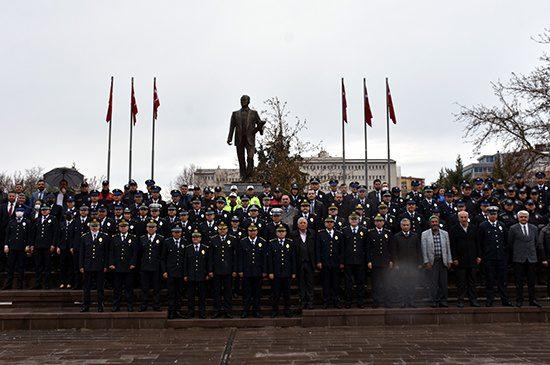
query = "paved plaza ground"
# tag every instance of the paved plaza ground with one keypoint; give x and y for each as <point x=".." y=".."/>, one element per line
<point x="465" y="344"/>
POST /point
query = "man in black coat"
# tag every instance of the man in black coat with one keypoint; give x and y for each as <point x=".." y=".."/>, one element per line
<point x="17" y="243"/>
<point x="123" y="261"/>
<point x="281" y="268"/>
<point x="223" y="266"/>
<point x="149" y="252"/>
<point x="80" y="228"/>
<point x="67" y="240"/>
<point x="195" y="274"/>
<point x="252" y="268"/>
<point x="328" y="256"/>
<point x="304" y="239"/>
<point x="494" y="254"/>
<point x="172" y="262"/>
<point x="407" y="256"/>
<point x="466" y="256"/>
<point x="417" y="221"/>
<point x="93" y="261"/>
<point x="45" y="240"/>
<point x="354" y="257"/>
<point x="379" y="261"/>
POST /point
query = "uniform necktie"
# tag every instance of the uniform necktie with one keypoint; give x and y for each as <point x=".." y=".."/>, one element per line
<point x="281" y="242"/>
<point x="196" y="248"/>
<point x="355" y="231"/>
<point x="94" y="236"/>
<point x="525" y="229"/>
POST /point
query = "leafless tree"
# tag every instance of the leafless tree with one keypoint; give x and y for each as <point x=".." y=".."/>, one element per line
<point x="186" y="176"/>
<point x="521" y="118"/>
<point x="28" y="178"/>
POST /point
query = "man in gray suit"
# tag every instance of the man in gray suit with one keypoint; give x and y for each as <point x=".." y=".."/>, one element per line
<point x="437" y="259"/>
<point x="245" y="123"/>
<point x="289" y="212"/>
<point x="526" y="251"/>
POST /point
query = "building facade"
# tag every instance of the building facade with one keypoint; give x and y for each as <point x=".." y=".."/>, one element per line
<point x="406" y="181"/>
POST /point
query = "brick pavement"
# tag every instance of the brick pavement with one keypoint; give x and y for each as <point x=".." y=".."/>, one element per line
<point x="464" y="344"/>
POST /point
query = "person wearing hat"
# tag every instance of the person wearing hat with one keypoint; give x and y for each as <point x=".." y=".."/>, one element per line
<point x="417" y="221"/>
<point x="155" y="198"/>
<point x="314" y="184"/>
<point x="196" y="213"/>
<point x="83" y="196"/>
<point x="391" y="221"/>
<point x="270" y="230"/>
<point x="149" y="248"/>
<point x="379" y="261"/>
<point x="331" y="193"/>
<point x="427" y="203"/>
<point x="235" y="228"/>
<point x="494" y="255"/>
<point x="67" y="240"/>
<point x="437" y="259"/>
<point x="172" y="268"/>
<point x="245" y="205"/>
<point x="354" y="252"/>
<point x="105" y="195"/>
<point x="208" y="228"/>
<point x="483" y="215"/>
<point x="477" y="192"/>
<point x="209" y="201"/>
<point x="364" y="219"/>
<point x="231" y="205"/>
<point x="186" y="226"/>
<point x="220" y="214"/>
<point x="251" y="194"/>
<point x="265" y="210"/>
<point x="311" y="218"/>
<point x="175" y="200"/>
<point x="508" y="214"/>
<point x="94" y="200"/>
<point x="172" y="218"/>
<point x="254" y="217"/>
<point x="266" y="186"/>
<point x="304" y="240"/>
<point x="396" y="199"/>
<point x="155" y="211"/>
<point x="468" y="199"/>
<point x="43" y="244"/>
<point x="252" y="268"/>
<point x="414" y="194"/>
<point x="195" y="273"/>
<point x="295" y="196"/>
<point x="69" y="206"/>
<point x="328" y="258"/>
<point x="281" y="269"/>
<point x="123" y="252"/>
<point x="93" y="262"/>
<point x="536" y="197"/>
<point x="407" y="258"/>
<point x="535" y="218"/>
<point x="393" y="207"/>
<point x="447" y="207"/>
<point x="339" y="221"/>
<point x="223" y="266"/>
<point x="17" y="244"/>
<point x="466" y="258"/>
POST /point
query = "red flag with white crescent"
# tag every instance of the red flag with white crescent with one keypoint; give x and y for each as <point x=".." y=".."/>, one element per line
<point x="368" y="112"/>
<point x="389" y="103"/>
<point x="156" y="100"/>
<point x="110" y="107"/>
<point x="133" y="104"/>
<point x="344" y="104"/>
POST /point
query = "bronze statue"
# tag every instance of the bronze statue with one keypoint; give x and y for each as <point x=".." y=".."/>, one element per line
<point x="245" y="123"/>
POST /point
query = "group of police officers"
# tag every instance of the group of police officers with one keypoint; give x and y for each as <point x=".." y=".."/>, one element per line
<point x="204" y="241"/>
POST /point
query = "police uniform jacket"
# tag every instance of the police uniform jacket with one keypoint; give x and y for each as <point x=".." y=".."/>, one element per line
<point x="18" y="234"/>
<point x="93" y="254"/>
<point x="492" y="241"/>
<point x="123" y="253"/>
<point x="252" y="258"/>
<point x="328" y="250"/>
<point x="150" y="252"/>
<point x="379" y="249"/>
<point x="355" y="245"/>
<point x="281" y="259"/>
<point x="46" y="232"/>
<point x="196" y="262"/>
<point x="223" y="255"/>
<point x="67" y="234"/>
<point x="173" y="257"/>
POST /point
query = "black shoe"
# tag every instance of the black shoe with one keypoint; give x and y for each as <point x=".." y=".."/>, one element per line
<point x="534" y="303"/>
<point x="130" y="308"/>
<point x="115" y="309"/>
<point x="84" y="309"/>
<point x="274" y="314"/>
<point x="100" y="308"/>
<point x="475" y="304"/>
<point x="434" y="305"/>
<point x="347" y="306"/>
<point x="460" y="305"/>
<point x="171" y="315"/>
<point x="47" y="287"/>
<point x="361" y="305"/>
<point x="325" y="306"/>
<point x="202" y="315"/>
<point x="244" y="315"/>
<point x="309" y="306"/>
<point x="143" y="308"/>
<point x="375" y="305"/>
<point x="217" y="315"/>
<point x="411" y="305"/>
<point x="228" y="315"/>
<point x="443" y="305"/>
<point x="507" y="304"/>
<point x="37" y="287"/>
<point x="157" y="308"/>
<point x="488" y="304"/>
<point x="287" y="314"/>
<point x="519" y="304"/>
<point x="257" y="315"/>
<point x="7" y="287"/>
<point x="338" y="305"/>
<point x="190" y="315"/>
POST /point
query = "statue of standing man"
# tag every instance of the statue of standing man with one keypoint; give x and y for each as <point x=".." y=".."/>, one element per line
<point x="245" y="123"/>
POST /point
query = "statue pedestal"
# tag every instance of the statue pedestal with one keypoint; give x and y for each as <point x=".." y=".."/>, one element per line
<point x="241" y="185"/>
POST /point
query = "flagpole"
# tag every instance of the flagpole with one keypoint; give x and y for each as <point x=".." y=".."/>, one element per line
<point x="388" y="133"/>
<point x="366" y="154"/>
<point x="131" y="132"/>
<point x="109" y="145"/>
<point x="343" y="141"/>
<point x="153" y="134"/>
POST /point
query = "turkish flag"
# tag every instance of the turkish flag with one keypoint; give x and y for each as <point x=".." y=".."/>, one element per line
<point x="156" y="101"/>
<point x="344" y="104"/>
<point x="389" y="103"/>
<point x="110" y="107"/>
<point x="133" y="104"/>
<point x="368" y="112"/>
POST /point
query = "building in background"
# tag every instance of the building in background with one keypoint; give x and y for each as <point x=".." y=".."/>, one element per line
<point x="482" y="168"/>
<point x="215" y="177"/>
<point x="406" y="181"/>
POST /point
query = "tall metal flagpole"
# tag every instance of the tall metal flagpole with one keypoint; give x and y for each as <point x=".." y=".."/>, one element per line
<point x="365" y="125"/>
<point x="110" y="123"/>
<point x="388" y="132"/>
<point x="153" y="134"/>
<point x="344" y="117"/>
<point x="131" y="132"/>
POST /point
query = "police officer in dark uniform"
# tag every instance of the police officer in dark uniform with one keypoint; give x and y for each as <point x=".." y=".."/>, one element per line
<point x="328" y="256"/>
<point x="93" y="260"/>
<point x="123" y="261"/>
<point x="492" y="240"/>
<point x="195" y="268"/>
<point x="172" y="262"/>
<point x="252" y="267"/>
<point x="17" y="244"/>
<point x="140" y="220"/>
<point x="312" y="219"/>
<point x="508" y="216"/>
<point x="150" y="250"/>
<point x="196" y="214"/>
<point x="208" y="228"/>
<point x="253" y="218"/>
<point x="417" y="221"/>
<point x="44" y="242"/>
<point x="67" y="240"/>
<point x="354" y="251"/>
<point x="172" y="218"/>
<point x="186" y="226"/>
<point x="380" y="260"/>
<point x="295" y="196"/>
<point x="427" y="203"/>
<point x="223" y="265"/>
<point x="281" y="268"/>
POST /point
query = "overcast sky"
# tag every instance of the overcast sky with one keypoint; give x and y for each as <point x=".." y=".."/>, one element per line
<point x="57" y="58"/>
